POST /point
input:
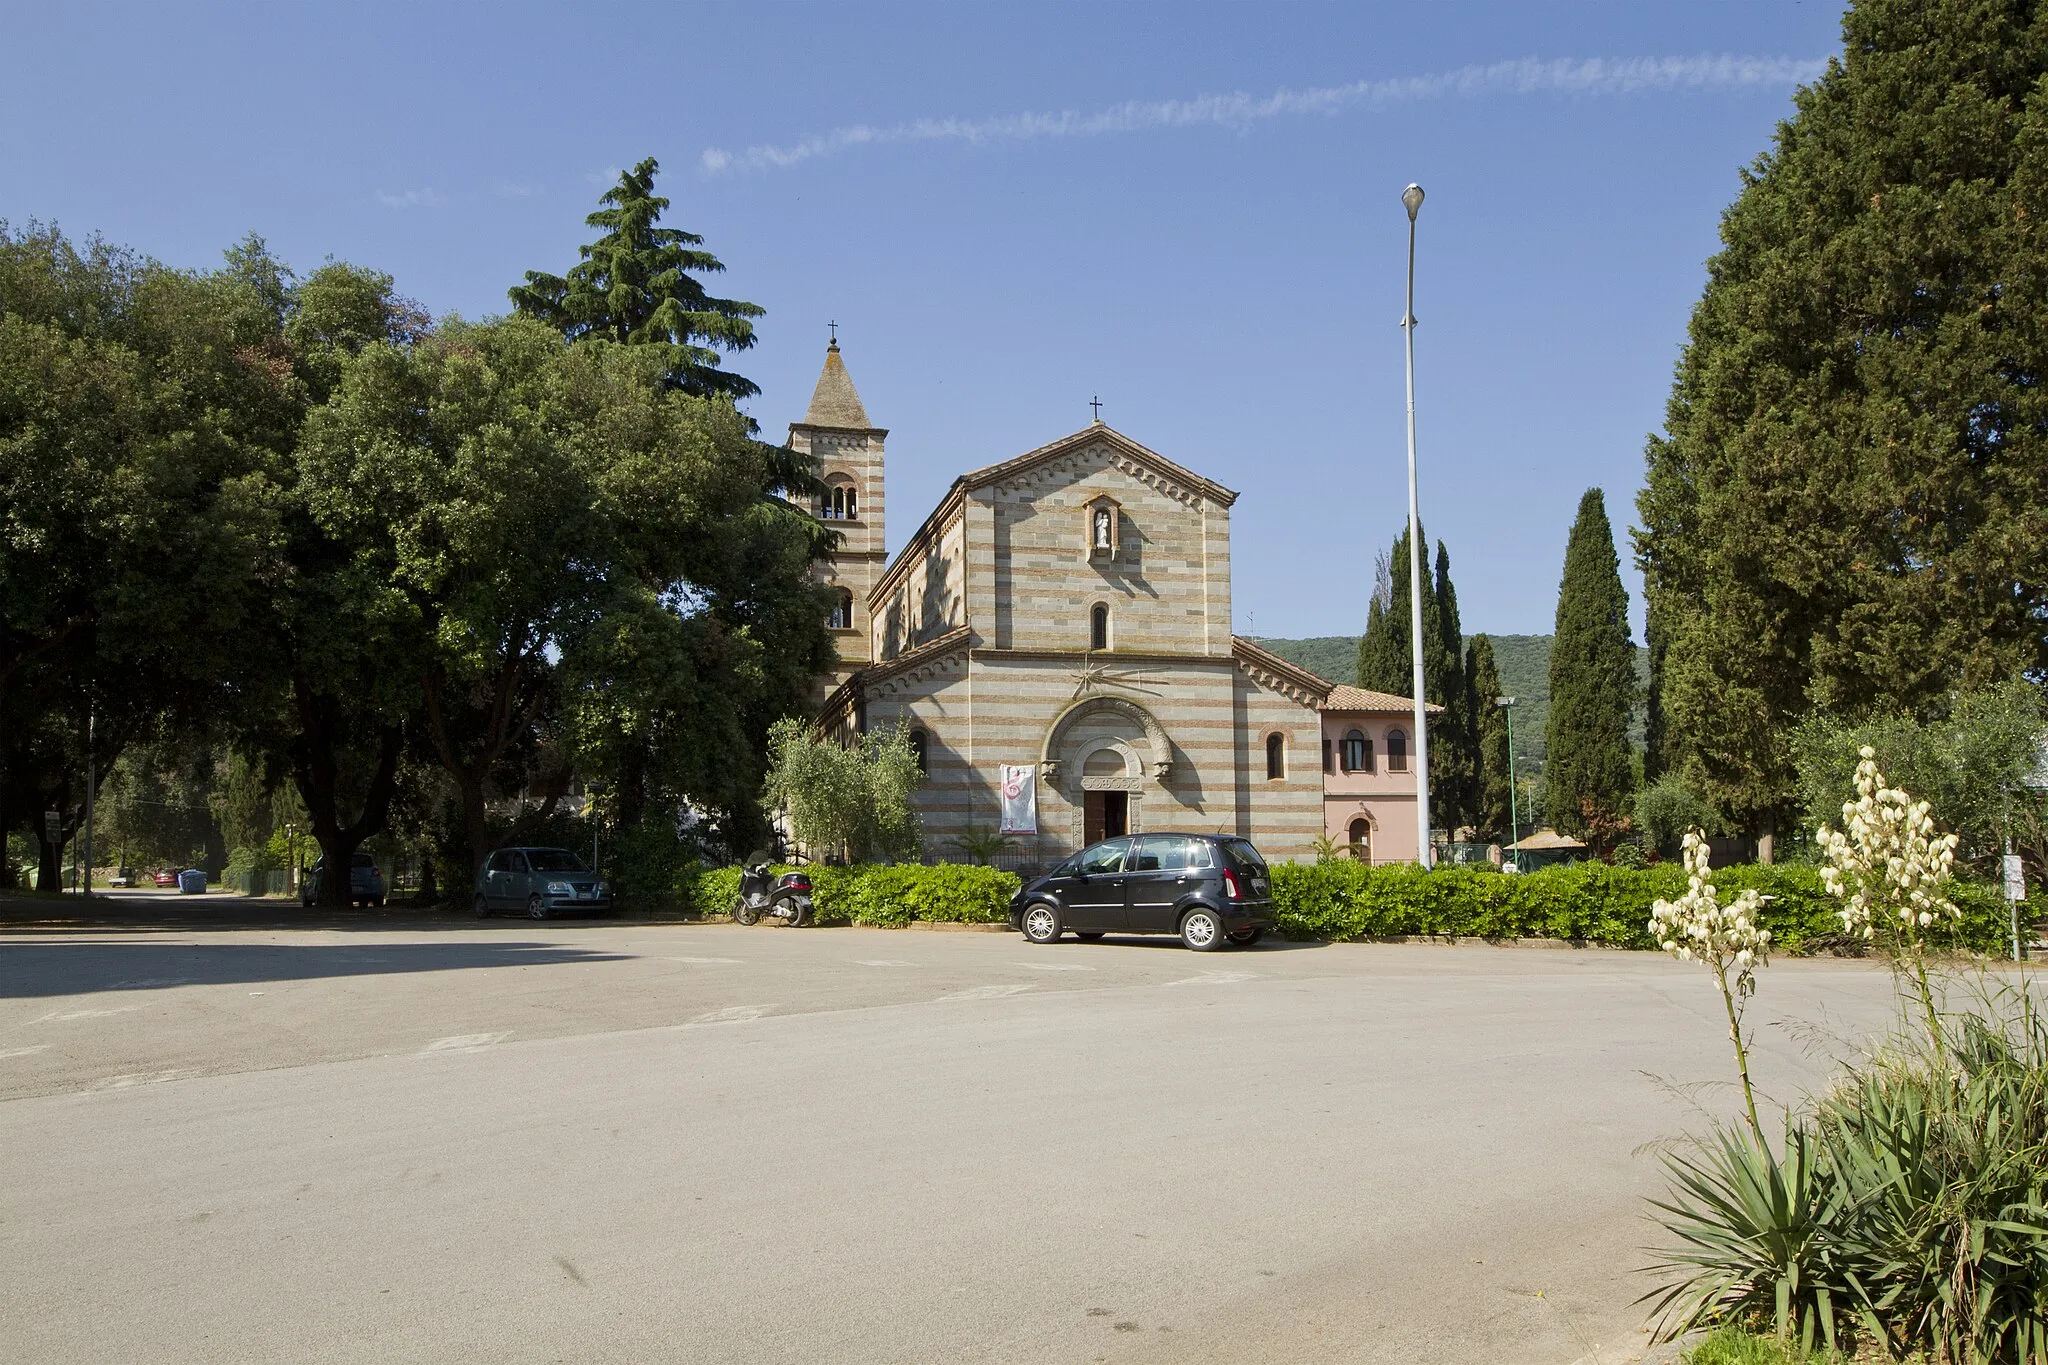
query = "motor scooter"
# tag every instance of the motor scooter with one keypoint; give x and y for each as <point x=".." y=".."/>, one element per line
<point x="787" y="898"/>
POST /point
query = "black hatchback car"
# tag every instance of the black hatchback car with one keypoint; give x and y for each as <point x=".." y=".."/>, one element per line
<point x="1211" y="889"/>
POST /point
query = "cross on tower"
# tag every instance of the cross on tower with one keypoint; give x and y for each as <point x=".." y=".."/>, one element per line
<point x="835" y="332"/>
<point x="1096" y="403"/>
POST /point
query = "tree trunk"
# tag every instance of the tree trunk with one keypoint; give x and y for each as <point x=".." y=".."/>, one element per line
<point x="316" y="773"/>
<point x="1766" y="838"/>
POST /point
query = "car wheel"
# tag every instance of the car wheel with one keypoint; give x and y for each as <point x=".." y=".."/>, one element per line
<point x="380" y="902"/>
<point x="1091" y="936"/>
<point x="1246" y="938"/>
<point x="1202" y="930"/>
<point x="536" y="907"/>
<point x="481" y="908"/>
<point x="1041" y="922"/>
<point x="744" y="911"/>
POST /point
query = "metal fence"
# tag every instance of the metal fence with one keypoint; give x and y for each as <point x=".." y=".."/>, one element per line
<point x="260" y="883"/>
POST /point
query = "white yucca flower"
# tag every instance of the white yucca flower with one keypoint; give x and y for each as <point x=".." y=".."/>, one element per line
<point x="1727" y="938"/>
<point x="1887" y="865"/>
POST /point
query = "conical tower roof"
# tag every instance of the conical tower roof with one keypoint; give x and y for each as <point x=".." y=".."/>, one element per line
<point x="835" y="402"/>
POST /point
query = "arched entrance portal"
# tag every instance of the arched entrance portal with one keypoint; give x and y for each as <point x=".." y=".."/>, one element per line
<point x="1101" y="755"/>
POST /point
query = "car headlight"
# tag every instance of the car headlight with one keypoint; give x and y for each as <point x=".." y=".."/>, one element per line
<point x="561" y="889"/>
<point x="604" y="889"/>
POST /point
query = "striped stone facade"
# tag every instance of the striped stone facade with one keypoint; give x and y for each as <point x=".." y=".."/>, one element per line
<point x="1070" y="610"/>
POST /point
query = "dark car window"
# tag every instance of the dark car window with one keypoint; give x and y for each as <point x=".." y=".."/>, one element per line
<point x="1162" y="853"/>
<point x="554" y="860"/>
<point x="1067" y="868"/>
<point x="1107" y="856"/>
<point x="1245" y="856"/>
<point x="362" y="860"/>
<point x="1200" y="855"/>
<point x="515" y="862"/>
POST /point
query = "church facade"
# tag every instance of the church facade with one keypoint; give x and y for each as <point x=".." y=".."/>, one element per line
<point x="1064" y="618"/>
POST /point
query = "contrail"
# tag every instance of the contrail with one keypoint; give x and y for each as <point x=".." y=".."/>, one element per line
<point x="1529" y="76"/>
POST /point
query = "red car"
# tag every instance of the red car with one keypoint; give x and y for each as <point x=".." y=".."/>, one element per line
<point x="169" y="879"/>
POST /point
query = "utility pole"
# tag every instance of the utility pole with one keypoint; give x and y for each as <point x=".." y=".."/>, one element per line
<point x="1507" y="704"/>
<point x="1411" y="198"/>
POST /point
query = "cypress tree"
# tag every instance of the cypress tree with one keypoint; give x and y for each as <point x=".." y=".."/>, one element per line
<point x="1453" y="736"/>
<point x="1492" y="809"/>
<point x="636" y="284"/>
<point x="1849" y="508"/>
<point x="1592" y="679"/>
<point x="1383" y="656"/>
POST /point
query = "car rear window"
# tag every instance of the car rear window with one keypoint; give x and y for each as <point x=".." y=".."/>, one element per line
<point x="1245" y="856"/>
<point x="1161" y="853"/>
<point x="362" y="860"/>
<point x="554" y="860"/>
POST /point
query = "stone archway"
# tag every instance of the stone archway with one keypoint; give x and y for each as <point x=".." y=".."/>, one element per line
<point x="1103" y="750"/>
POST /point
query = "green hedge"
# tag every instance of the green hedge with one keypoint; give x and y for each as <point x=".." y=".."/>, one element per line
<point x="1587" y="901"/>
<point x="876" y="893"/>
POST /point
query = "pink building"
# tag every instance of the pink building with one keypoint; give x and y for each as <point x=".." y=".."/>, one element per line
<point x="1369" y="773"/>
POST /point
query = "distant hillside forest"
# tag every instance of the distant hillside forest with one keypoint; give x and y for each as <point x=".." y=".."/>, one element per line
<point x="1524" y="663"/>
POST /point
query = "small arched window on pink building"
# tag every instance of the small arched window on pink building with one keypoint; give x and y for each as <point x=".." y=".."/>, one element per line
<point x="1397" y="751"/>
<point x="1357" y="752"/>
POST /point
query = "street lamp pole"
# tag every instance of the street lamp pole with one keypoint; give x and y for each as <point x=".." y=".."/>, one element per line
<point x="1411" y="198"/>
<point x="1507" y="704"/>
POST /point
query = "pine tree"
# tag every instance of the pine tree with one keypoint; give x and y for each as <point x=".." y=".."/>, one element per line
<point x="1493" y="810"/>
<point x="1849" y="508"/>
<point x="1587" y="769"/>
<point x="636" y="284"/>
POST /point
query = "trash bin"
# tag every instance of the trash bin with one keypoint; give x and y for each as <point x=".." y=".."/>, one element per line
<point x="192" y="881"/>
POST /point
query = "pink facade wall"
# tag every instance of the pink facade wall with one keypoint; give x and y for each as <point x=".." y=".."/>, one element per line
<point x="1383" y="798"/>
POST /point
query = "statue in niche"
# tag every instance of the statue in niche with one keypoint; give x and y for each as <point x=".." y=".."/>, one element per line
<point x="1102" y="527"/>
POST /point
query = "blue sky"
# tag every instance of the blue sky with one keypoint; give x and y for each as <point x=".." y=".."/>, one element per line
<point x="1192" y="210"/>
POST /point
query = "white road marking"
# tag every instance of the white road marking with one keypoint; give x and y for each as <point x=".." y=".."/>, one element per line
<point x="130" y="1079"/>
<point x="988" y="992"/>
<point x="1056" y="967"/>
<point x="881" y="962"/>
<point x="25" y="1051"/>
<point x="1215" y="979"/>
<point x="464" y="1042"/>
<point x="710" y="961"/>
<point x="731" y="1014"/>
<point x="60" y="1017"/>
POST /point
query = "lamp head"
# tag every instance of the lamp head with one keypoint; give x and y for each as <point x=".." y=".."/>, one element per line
<point x="1412" y="197"/>
<point x="1503" y="701"/>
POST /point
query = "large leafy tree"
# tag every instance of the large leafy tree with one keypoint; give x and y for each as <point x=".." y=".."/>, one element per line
<point x="637" y="284"/>
<point x="1849" y="506"/>
<point x="141" y="410"/>
<point x="1587" y="770"/>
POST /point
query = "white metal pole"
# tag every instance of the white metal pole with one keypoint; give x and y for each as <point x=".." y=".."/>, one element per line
<point x="1412" y="198"/>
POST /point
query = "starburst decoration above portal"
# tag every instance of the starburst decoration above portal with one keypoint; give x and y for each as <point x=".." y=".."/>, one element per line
<point x="1094" y="676"/>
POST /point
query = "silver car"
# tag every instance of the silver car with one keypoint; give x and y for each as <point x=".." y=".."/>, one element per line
<point x="539" y="881"/>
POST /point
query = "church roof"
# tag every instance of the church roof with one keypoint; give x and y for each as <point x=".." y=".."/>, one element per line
<point x="1344" y="697"/>
<point x="1116" y="440"/>
<point x="835" y="402"/>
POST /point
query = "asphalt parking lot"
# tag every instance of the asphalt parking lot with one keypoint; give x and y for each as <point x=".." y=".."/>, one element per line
<point x="430" y="1140"/>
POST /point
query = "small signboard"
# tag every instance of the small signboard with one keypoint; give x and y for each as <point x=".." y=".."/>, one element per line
<point x="53" y="827"/>
<point x="2015" y="878"/>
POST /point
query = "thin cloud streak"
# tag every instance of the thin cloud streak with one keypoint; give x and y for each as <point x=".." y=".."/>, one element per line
<point x="1528" y="76"/>
<point x="410" y="199"/>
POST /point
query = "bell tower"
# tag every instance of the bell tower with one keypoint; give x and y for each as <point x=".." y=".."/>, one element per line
<point x="836" y="432"/>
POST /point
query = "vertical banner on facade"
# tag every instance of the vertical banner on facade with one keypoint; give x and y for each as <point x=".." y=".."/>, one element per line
<point x="1020" y="799"/>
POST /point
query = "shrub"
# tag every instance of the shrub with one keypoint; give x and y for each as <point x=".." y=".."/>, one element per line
<point x="1585" y="901"/>
<point x="876" y="893"/>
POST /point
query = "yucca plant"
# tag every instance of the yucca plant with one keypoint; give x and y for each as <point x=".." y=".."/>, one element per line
<point x="1754" y="1244"/>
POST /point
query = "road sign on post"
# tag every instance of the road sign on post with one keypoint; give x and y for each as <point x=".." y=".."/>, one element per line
<point x="53" y="827"/>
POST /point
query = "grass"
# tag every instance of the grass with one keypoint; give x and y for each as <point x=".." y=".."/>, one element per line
<point x="1732" y="1347"/>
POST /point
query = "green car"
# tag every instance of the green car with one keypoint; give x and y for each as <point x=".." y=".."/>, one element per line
<point x="539" y="881"/>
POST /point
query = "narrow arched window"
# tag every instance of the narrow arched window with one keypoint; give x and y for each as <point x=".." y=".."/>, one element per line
<point x="842" y="611"/>
<point x="1098" y="627"/>
<point x="1276" y="757"/>
<point x="1397" y="751"/>
<point x="920" y="747"/>
<point x="1328" y="761"/>
<point x="852" y="503"/>
<point x="1357" y="752"/>
<point x="1361" y="840"/>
